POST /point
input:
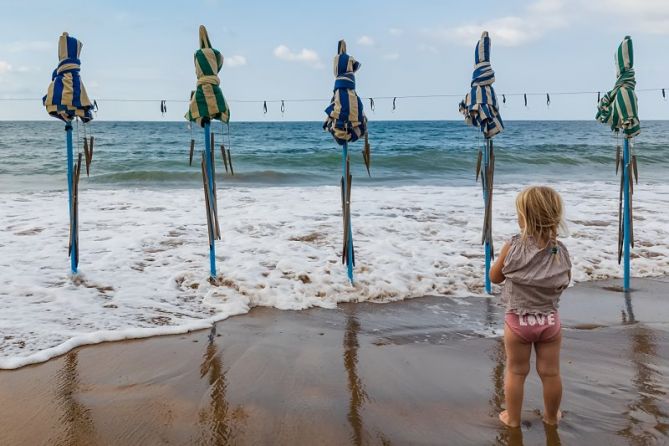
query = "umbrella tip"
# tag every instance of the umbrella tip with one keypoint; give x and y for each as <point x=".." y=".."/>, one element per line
<point x="341" y="47"/>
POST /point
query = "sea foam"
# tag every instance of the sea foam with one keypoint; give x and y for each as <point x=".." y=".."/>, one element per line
<point x="144" y="254"/>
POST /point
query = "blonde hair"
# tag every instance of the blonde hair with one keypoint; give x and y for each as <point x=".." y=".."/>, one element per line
<point x="540" y="211"/>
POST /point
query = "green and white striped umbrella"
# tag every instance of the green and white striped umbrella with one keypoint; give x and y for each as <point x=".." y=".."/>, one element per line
<point x="618" y="107"/>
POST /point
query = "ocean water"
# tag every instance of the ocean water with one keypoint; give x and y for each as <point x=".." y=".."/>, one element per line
<point x="416" y="221"/>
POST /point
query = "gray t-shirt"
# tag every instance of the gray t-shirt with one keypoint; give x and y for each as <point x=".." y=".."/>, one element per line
<point x="535" y="276"/>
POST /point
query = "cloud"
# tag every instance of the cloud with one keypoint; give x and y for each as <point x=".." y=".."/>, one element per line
<point x="310" y="57"/>
<point x="391" y="56"/>
<point x="235" y="61"/>
<point x="22" y="46"/>
<point x="425" y="48"/>
<point x="5" y="67"/>
<point x="366" y="41"/>
<point x="647" y="16"/>
<point x="536" y="20"/>
<point x="397" y="32"/>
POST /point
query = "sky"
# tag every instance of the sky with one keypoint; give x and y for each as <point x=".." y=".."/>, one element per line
<point x="278" y="50"/>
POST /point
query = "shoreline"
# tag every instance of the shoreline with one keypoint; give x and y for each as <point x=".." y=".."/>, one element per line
<point x="130" y="334"/>
<point x="397" y="373"/>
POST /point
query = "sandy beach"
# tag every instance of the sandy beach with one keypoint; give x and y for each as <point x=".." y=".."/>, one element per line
<point x="398" y="373"/>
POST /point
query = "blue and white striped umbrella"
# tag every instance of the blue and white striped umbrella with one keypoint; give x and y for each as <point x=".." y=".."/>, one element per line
<point x="480" y="106"/>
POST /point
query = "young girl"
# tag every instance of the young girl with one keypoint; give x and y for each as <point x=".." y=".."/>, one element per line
<point x="535" y="269"/>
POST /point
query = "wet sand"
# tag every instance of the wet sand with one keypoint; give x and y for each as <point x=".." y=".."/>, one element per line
<point x="410" y="372"/>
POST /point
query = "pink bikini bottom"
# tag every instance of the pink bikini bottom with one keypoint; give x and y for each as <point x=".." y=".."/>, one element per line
<point x="533" y="328"/>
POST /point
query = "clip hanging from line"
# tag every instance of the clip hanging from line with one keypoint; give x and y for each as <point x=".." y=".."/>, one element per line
<point x="503" y="99"/>
<point x="599" y="97"/>
<point x="264" y="107"/>
<point x="525" y="96"/>
<point x="548" y="100"/>
<point x="95" y="106"/>
<point x="283" y="107"/>
<point x="664" y="95"/>
<point x="394" y="103"/>
<point x="163" y="107"/>
<point x="371" y="104"/>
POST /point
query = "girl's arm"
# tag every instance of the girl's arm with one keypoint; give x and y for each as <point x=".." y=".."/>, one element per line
<point x="496" y="275"/>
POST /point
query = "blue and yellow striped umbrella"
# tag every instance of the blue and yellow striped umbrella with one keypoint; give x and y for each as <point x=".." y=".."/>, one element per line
<point x="618" y="107"/>
<point x="480" y="106"/>
<point x="207" y="101"/>
<point x="66" y="98"/>
<point x="346" y="119"/>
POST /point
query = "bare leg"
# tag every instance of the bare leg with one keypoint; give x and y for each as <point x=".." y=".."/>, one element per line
<point x="518" y="354"/>
<point x="548" y="368"/>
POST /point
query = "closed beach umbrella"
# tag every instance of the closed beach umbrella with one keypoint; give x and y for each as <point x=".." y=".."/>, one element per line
<point x="347" y="123"/>
<point x="207" y="103"/>
<point x="66" y="99"/>
<point x="618" y="109"/>
<point x="481" y="110"/>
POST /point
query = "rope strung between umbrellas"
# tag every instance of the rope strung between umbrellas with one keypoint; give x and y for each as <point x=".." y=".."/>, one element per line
<point x="372" y="99"/>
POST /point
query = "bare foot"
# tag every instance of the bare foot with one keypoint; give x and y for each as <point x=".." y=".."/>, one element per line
<point x="504" y="418"/>
<point x="552" y="421"/>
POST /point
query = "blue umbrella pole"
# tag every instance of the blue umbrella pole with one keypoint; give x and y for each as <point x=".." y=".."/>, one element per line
<point x="347" y="212"/>
<point x="485" y="177"/>
<point x="70" y="185"/>
<point x="210" y="186"/>
<point x="626" y="215"/>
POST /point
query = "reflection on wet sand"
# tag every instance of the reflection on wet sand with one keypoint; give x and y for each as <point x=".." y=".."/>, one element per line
<point x="643" y="354"/>
<point x="218" y="423"/>
<point x="355" y="386"/>
<point x="75" y="417"/>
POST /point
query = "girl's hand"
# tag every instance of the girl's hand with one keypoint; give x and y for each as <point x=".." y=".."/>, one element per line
<point x="496" y="275"/>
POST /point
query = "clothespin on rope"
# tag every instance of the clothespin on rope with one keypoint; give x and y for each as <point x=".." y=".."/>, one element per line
<point x="525" y="97"/>
<point x="548" y="100"/>
<point x="503" y="99"/>
<point x="283" y="107"/>
<point x="163" y="107"/>
<point x="371" y="104"/>
<point x="264" y="107"/>
<point x="664" y="95"/>
<point x="394" y="103"/>
<point x="95" y="106"/>
<point x="599" y="96"/>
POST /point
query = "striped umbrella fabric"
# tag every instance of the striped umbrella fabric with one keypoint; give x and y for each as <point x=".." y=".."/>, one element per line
<point x="480" y="106"/>
<point x="346" y="119"/>
<point x="207" y="101"/>
<point x="618" y="107"/>
<point x="66" y="98"/>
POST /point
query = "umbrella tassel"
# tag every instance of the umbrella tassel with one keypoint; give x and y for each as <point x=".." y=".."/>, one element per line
<point x="225" y="158"/>
<point x="232" y="171"/>
<point x="192" y="149"/>
<point x="525" y="97"/>
<point x="636" y="169"/>
<point x="264" y="107"/>
<point x="367" y="154"/>
<point x="77" y="175"/>
<point x="478" y="165"/>
<point x="345" y="221"/>
<point x="618" y="159"/>
<point x="90" y="148"/>
<point x="206" y="201"/>
<point x="88" y="156"/>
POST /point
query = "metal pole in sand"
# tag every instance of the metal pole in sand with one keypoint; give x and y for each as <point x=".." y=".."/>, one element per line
<point x="347" y="215"/>
<point x="70" y="185"/>
<point x="210" y="185"/>
<point x="626" y="214"/>
<point x="484" y="177"/>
